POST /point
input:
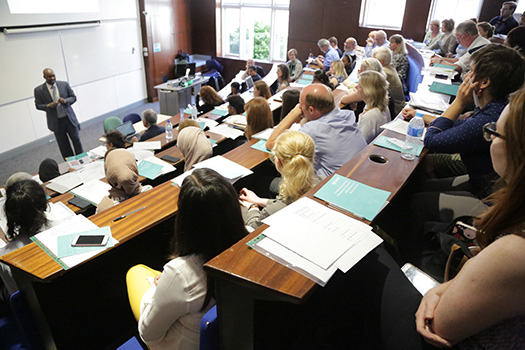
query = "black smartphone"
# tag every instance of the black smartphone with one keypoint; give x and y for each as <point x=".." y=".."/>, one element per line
<point x="170" y="159"/>
<point x="441" y="76"/>
<point x="79" y="202"/>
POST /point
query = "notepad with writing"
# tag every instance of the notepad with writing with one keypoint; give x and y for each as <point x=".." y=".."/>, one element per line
<point x="353" y="196"/>
<point x="447" y="89"/>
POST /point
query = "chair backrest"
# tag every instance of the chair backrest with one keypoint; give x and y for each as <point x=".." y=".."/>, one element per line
<point x="111" y="123"/>
<point x="209" y="331"/>
<point x="133" y="117"/>
<point x="18" y="330"/>
<point x="414" y="75"/>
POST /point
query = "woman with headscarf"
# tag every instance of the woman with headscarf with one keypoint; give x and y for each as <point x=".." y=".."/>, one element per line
<point x="194" y="145"/>
<point x="48" y="170"/>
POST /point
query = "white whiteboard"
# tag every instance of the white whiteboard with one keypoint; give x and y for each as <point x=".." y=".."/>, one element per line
<point x="95" y="53"/>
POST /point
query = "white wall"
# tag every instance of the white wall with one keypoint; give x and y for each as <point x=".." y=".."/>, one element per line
<point x="103" y="65"/>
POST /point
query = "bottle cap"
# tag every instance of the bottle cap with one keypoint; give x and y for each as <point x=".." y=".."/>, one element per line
<point x="419" y="114"/>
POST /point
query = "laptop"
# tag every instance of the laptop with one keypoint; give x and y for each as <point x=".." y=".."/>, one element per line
<point x="127" y="130"/>
<point x="249" y="83"/>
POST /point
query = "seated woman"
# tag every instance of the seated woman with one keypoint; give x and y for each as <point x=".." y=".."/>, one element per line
<point x="193" y="144"/>
<point x="337" y="72"/>
<point x="261" y="89"/>
<point x="433" y="35"/>
<point x="121" y="171"/>
<point x="295" y="66"/>
<point x="496" y="72"/>
<point x="169" y="311"/>
<point x="210" y="97"/>
<point x="235" y="89"/>
<point x="235" y="105"/>
<point x="321" y="77"/>
<point x="456" y="312"/>
<point x="258" y="117"/>
<point x="293" y="155"/>
<point x="400" y="59"/>
<point x="24" y="210"/>
<point x="448" y="42"/>
<point x="283" y="77"/>
<point x="348" y="63"/>
<point x="485" y="29"/>
<point x="373" y="89"/>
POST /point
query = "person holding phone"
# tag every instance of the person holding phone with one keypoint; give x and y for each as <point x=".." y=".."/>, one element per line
<point x="169" y="310"/>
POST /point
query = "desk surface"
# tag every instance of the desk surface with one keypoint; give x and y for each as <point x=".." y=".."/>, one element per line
<point x="37" y="263"/>
<point x="254" y="270"/>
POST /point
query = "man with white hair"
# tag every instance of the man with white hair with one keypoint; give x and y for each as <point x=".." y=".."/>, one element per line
<point x="350" y="48"/>
<point x="379" y="41"/>
<point x="384" y="55"/>
<point x="330" y="54"/>
<point x="468" y="36"/>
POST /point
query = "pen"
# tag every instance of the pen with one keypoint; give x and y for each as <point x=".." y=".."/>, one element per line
<point x="125" y="215"/>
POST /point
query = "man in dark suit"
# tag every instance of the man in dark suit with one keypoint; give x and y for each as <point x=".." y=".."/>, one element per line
<point x="55" y="98"/>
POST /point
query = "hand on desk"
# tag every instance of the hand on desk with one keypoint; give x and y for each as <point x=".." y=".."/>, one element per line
<point x="408" y="113"/>
<point x="436" y="59"/>
<point x="249" y="197"/>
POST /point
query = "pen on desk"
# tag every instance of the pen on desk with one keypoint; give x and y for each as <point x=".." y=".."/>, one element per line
<point x="125" y="215"/>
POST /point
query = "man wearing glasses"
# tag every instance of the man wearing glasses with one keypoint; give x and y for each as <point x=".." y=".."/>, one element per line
<point x="504" y="23"/>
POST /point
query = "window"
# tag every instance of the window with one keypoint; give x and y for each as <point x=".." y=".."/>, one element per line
<point x="458" y="10"/>
<point x="254" y="29"/>
<point x="386" y="14"/>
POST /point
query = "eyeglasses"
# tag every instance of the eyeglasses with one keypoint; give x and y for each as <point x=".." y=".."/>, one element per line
<point x="489" y="130"/>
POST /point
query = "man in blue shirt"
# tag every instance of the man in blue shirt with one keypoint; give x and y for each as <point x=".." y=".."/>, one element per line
<point x="329" y="56"/>
<point x="334" y="131"/>
<point x="504" y="23"/>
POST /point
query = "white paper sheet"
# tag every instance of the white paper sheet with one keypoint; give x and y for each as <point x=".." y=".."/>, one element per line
<point x="57" y="212"/>
<point x="230" y="170"/>
<point x="263" y="135"/>
<point x="92" y="171"/>
<point x="236" y="119"/>
<point x="98" y="152"/>
<point x="141" y="154"/>
<point x="208" y="122"/>
<point x="151" y="145"/>
<point x="37" y="179"/>
<point x="400" y="126"/>
<point x="64" y="183"/>
<point x="315" y="232"/>
<point x="92" y="191"/>
<point x="227" y="131"/>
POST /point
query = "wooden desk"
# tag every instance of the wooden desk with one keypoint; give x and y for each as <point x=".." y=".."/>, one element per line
<point x="96" y="288"/>
<point x="244" y="276"/>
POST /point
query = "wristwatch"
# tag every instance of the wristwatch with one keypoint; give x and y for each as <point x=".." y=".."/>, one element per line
<point x="253" y="206"/>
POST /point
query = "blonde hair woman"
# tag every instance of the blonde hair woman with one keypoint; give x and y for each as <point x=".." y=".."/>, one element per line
<point x="258" y="116"/>
<point x="293" y="155"/>
<point x="338" y="72"/>
<point x="261" y="89"/>
<point x="399" y="57"/>
<point x="373" y="89"/>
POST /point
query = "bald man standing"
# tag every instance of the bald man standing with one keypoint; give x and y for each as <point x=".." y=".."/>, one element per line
<point x="334" y="131"/>
<point x="55" y="98"/>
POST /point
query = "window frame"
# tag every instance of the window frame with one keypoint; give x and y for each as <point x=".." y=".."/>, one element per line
<point x="433" y="6"/>
<point x="363" y="15"/>
<point x="222" y="39"/>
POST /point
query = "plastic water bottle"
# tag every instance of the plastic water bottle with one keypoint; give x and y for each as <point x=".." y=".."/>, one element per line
<point x="413" y="140"/>
<point x="169" y="130"/>
<point x="194" y="112"/>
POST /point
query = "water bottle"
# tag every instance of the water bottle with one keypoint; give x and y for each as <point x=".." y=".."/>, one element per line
<point x="194" y="112"/>
<point x="169" y="130"/>
<point x="413" y="140"/>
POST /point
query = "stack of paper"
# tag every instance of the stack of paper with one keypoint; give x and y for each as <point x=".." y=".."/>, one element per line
<point x="263" y="135"/>
<point x="400" y="126"/>
<point x="98" y="152"/>
<point x="92" y="191"/>
<point x="92" y="171"/>
<point x="207" y="123"/>
<point x="78" y="161"/>
<point x="154" y="163"/>
<point x="236" y="119"/>
<point x="315" y="240"/>
<point x="230" y="170"/>
<point x="150" y="145"/>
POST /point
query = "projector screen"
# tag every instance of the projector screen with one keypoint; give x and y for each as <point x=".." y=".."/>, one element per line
<point x="27" y="13"/>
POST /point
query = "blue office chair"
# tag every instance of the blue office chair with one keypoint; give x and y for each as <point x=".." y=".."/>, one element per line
<point x="132" y="344"/>
<point x="17" y="330"/>
<point x="209" y="331"/>
<point x="414" y="75"/>
<point x="133" y="117"/>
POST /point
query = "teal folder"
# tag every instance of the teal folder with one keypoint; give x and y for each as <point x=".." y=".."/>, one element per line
<point x="221" y="112"/>
<point x="149" y="169"/>
<point x="439" y="65"/>
<point x="261" y="146"/>
<point x="447" y="89"/>
<point x="382" y="141"/>
<point x="353" y="196"/>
